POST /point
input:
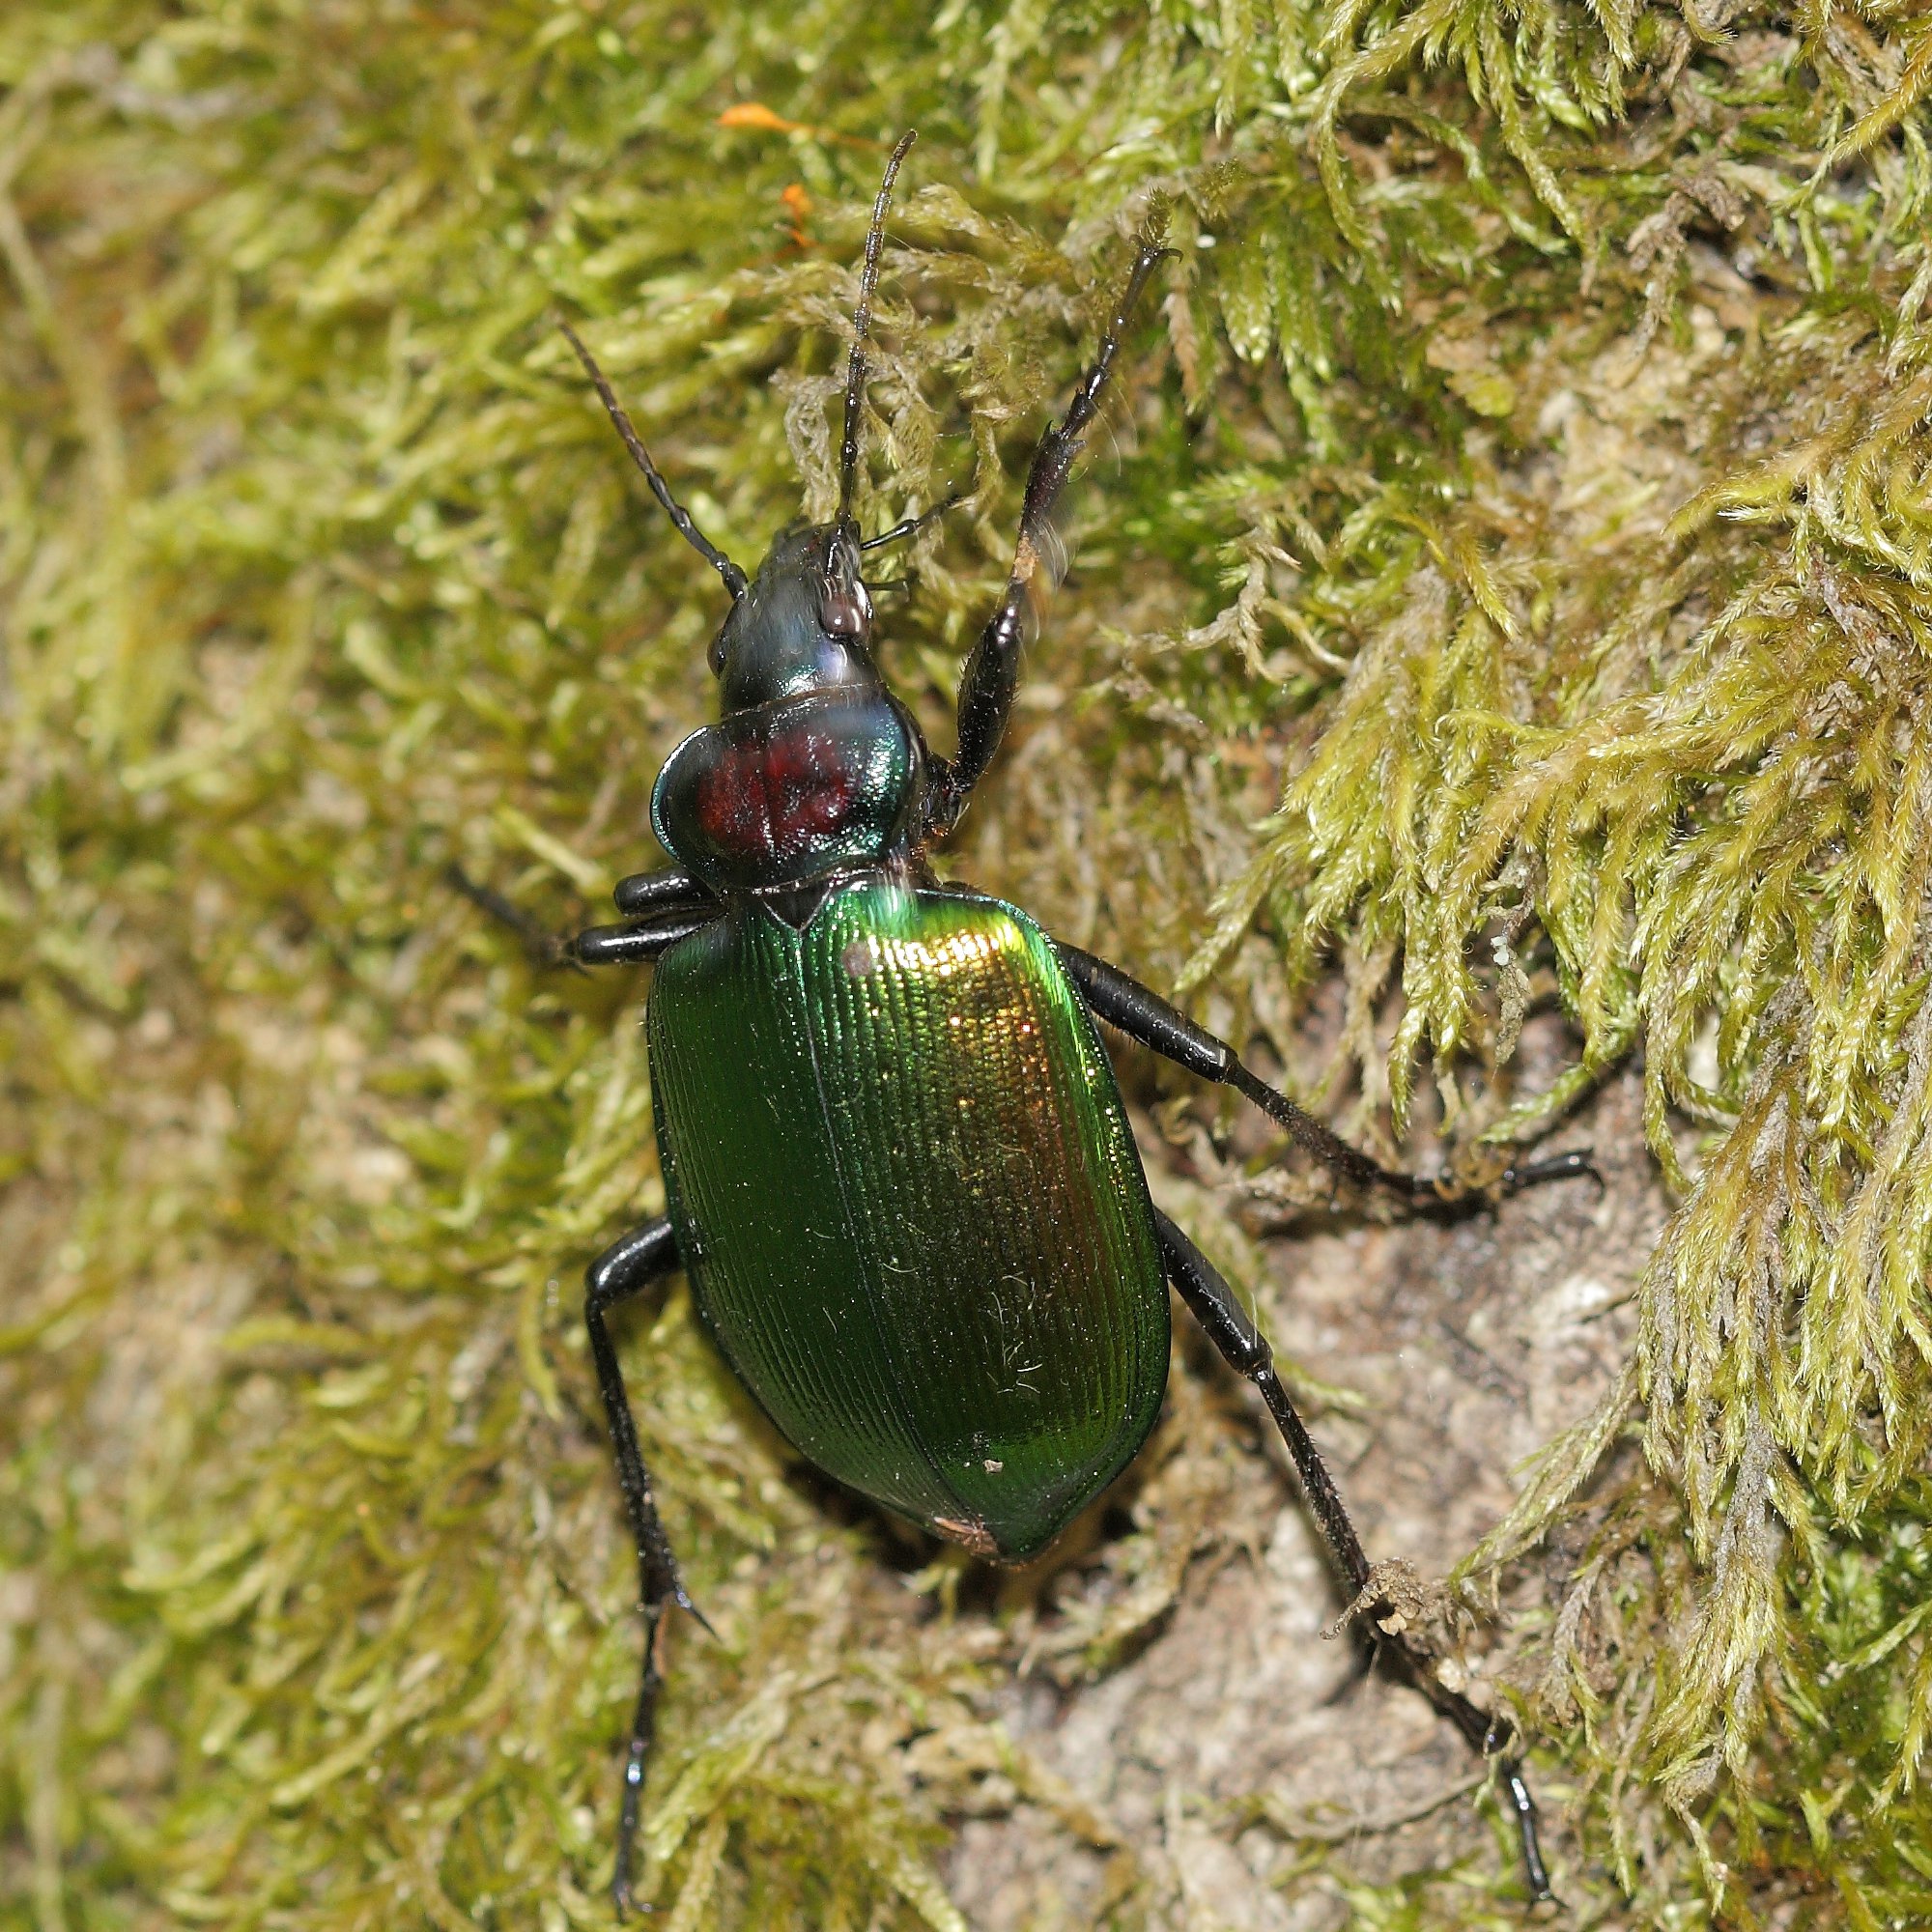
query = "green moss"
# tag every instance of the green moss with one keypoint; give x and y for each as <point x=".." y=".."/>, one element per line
<point x="1530" y="455"/>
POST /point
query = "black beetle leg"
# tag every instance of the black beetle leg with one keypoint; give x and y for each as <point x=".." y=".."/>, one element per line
<point x="641" y="1256"/>
<point x="992" y="673"/>
<point x="638" y="940"/>
<point x="1218" y="1310"/>
<point x="666" y="915"/>
<point x="659" y="892"/>
<point x="1142" y="1014"/>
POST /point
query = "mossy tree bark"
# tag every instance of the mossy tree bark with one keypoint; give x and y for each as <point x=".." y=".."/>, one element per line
<point x="1494" y="683"/>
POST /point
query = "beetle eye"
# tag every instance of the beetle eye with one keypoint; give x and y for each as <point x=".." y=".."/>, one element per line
<point x="715" y="656"/>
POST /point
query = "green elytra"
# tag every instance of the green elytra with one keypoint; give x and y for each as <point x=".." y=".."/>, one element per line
<point x="898" y="1170"/>
<point x="942" y="1283"/>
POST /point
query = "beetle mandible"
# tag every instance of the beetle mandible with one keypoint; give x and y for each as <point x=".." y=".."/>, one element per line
<point x="912" y="1073"/>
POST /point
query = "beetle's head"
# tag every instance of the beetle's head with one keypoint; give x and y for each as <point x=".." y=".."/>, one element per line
<point x="804" y="623"/>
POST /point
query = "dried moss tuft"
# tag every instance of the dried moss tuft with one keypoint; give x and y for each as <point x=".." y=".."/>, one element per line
<point x="1523" y="488"/>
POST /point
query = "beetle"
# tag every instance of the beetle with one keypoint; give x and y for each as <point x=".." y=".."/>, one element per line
<point x="893" y="1145"/>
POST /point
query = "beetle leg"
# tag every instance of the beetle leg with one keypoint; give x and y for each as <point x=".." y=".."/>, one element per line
<point x="1232" y="1330"/>
<point x="659" y="892"/>
<point x="638" y="940"/>
<point x="666" y="917"/>
<point x="640" y="1257"/>
<point x="992" y="673"/>
<point x="1142" y="1014"/>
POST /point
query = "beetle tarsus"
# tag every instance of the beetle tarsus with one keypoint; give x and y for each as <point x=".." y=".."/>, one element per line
<point x="636" y="1759"/>
<point x="1576" y="1165"/>
<point x="1523" y="1807"/>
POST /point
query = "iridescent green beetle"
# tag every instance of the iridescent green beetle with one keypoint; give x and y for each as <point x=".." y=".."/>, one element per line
<point x="900" y="1175"/>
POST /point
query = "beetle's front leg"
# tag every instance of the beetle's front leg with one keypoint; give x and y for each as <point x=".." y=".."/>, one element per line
<point x="637" y="941"/>
<point x="1232" y="1330"/>
<point x="992" y="673"/>
<point x="641" y="1256"/>
<point x="1142" y="1014"/>
<point x="641" y="893"/>
<point x="666" y="907"/>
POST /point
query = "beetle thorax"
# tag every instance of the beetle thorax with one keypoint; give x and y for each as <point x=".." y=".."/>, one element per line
<point x="784" y="793"/>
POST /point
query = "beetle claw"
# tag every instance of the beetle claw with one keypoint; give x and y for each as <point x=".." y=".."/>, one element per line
<point x="691" y="1609"/>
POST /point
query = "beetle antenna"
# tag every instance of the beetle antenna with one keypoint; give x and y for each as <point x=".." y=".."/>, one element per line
<point x="734" y="578"/>
<point x="862" y="324"/>
<point x="914" y="525"/>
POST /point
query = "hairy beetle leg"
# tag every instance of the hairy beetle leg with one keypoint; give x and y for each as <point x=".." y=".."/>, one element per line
<point x="1142" y="1014"/>
<point x="629" y="1263"/>
<point x="1232" y="1330"/>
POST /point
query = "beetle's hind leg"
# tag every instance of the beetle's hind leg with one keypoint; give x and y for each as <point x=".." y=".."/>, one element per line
<point x="1142" y="1014"/>
<point x="641" y="1256"/>
<point x="1218" y="1310"/>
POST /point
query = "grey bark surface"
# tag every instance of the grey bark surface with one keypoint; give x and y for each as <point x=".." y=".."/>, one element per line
<point x="1474" y="1344"/>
